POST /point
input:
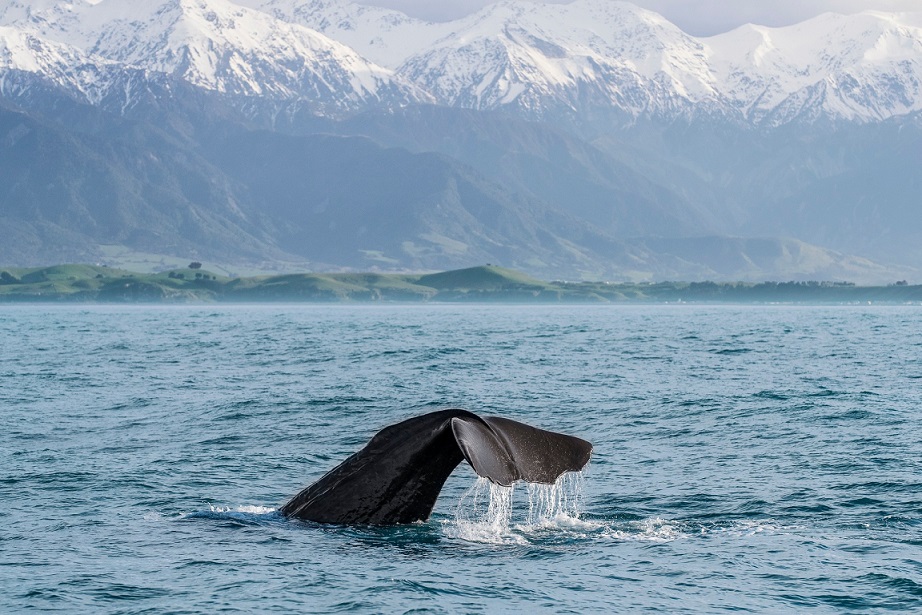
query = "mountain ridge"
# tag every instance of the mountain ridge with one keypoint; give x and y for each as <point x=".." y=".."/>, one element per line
<point x="533" y="58"/>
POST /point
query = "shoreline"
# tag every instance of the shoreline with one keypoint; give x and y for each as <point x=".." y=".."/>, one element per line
<point x="488" y="285"/>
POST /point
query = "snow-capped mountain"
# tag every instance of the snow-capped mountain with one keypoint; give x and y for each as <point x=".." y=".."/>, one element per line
<point x="218" y="46"/>
<point x="865" y="67"/>
<point x="384" y="36"/>
<point x="536" y="57"/>
<point x="336" y="57"/>
<point x="28" y="61"/>
<point x="576" y="56"/>
<point x="14" y="11"/>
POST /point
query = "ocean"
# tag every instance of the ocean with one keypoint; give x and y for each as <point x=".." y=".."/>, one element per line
<point x="746" y="458"/>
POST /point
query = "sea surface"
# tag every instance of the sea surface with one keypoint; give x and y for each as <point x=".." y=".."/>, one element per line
<point x="746" y="459"/>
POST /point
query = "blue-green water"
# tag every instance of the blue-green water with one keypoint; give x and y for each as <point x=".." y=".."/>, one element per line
<point x="764" y="459"/>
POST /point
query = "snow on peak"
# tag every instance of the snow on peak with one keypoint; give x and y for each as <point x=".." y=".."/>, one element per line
<point x="533" y="56"/>
<point x="521" y="55"/>
<point x="228" y="48"/>
<point x="26" y="59"/>
<point x="22" y="51"/>
<point x="862" y="67"/>
<point x="384" y="36"/>
<point x="536" y="56"/>
<point x="22" y="11"/>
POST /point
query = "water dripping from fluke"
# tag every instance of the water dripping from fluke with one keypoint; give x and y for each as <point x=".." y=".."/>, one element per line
<point x="492" y="513"/>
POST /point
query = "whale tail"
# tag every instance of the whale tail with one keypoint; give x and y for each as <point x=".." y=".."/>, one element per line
<point x="397" y="477"/>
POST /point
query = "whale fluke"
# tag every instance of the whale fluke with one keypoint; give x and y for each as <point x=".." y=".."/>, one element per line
<point x="397" y="477"/>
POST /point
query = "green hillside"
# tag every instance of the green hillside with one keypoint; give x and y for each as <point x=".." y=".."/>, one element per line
<point x="89" y="284"/>
<point x="488" y="277"/>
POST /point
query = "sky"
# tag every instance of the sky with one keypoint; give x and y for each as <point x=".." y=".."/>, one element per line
<point x="697" y="17"/>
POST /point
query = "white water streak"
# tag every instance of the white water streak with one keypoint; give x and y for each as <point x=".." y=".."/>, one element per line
<point x="551" y="504"/>
<point x="486" y="511"/>
<point x="253" y="510"/>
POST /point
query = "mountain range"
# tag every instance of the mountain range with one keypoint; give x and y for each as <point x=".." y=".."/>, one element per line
<point x="585" y="140"/>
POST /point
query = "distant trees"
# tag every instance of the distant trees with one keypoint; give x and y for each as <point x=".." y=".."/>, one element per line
<point x="8" y="278"/>
<point x="177" y="275"/>
<point x="195" y="265"/>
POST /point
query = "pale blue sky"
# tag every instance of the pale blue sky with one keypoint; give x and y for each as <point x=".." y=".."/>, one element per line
<point x="699" y="17"/>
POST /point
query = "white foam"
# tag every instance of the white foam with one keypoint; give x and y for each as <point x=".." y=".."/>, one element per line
<point x="654" y="529"/>
<point x="252" y="510"/>
<point x="752" y="528"/>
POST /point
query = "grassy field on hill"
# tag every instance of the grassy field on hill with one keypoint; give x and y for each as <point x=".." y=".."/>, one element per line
<point x="92" y="284"/>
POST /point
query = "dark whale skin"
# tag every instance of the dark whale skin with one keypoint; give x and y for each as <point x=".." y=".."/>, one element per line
<point x="397" y="477"/>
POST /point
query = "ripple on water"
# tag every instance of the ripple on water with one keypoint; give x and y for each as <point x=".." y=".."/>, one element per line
<point x="753" y="459"/>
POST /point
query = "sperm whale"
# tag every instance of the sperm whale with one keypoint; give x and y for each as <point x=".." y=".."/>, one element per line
<point x="397" y="477"/>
